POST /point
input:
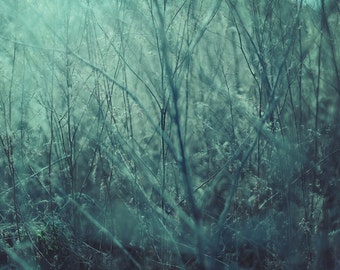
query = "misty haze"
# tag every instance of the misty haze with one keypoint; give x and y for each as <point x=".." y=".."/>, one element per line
<point x="183" y="134"/>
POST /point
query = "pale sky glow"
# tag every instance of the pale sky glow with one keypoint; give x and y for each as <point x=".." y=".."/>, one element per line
<point x="312" y="3"/>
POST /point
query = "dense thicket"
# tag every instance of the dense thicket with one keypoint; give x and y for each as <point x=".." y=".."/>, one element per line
<point x="169" y="134"/>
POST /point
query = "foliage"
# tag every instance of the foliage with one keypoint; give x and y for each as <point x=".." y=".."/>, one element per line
<point x="169" y="134"/>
